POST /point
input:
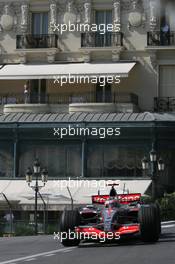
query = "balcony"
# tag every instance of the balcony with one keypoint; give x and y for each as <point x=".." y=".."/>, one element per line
<point x="36" y="41"/>
<point x="160" y="39"/>
<point x="164" y="104"/>
<point x="89" y="97"/>
<point x="77" y="102"/>
<point x="95" y="39"/>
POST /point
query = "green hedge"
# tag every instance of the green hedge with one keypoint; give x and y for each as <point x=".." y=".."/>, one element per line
<point x="24" y="230"/>
<point x="146" y="199"/>
<point x="51" y="228"/>
<point x="167" y="204"/>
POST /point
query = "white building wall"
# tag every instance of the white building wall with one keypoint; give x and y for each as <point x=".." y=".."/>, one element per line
<point x="135" y="22"/>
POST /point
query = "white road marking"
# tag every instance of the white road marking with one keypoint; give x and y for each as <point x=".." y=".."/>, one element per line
<point x="34" y="256"/>
<point x="31" y="259"/>
<point x="167" y="226"/>
<point x="168" y="222"/>
<point x="67" y="250"/>
<point x="49" y="255"/>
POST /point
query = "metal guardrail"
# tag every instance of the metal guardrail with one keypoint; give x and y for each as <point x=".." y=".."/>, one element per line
<point x="95" y="39"/>
<point x="164" y="104"/>
<point x="29" y="41"/>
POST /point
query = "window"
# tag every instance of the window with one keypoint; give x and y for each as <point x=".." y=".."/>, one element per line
<point x="6" y="159"/>
<point x="170" y="11"/>
<point x="110" y="160"/>
<point x="39" y="23"/>
<point x="61" y="160"/>
<point x="167" y="13"/>
<point x="103" y="17"/>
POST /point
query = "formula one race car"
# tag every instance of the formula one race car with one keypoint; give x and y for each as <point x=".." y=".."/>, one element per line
<point x="113" y="219"/>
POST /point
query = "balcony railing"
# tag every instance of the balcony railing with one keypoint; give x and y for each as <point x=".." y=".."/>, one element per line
<point x="107" y="97"/>
<point x="159" y="38"/>
<point x="95" y="39"/>
<point x="36" y="41"/>
<point x="164" y="104"/>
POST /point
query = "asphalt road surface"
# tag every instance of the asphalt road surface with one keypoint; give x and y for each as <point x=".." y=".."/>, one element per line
<point x="44" y="249"/>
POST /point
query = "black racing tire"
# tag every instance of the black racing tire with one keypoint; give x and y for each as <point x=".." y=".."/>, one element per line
<point x="69" y="220"/>
<point x="149" y="219"/>
<point x="159" y="217"/>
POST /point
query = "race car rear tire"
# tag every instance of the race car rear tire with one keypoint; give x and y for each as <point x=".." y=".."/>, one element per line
<point x="159" y="216"/>
<point x="149" y="219"/>
<point x="69" y="220"/>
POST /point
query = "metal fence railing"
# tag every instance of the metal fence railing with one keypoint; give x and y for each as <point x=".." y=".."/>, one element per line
<point x="88" y="97"/>
<point x="29" y="41"/>
<point x="95" y="39"/>
<point x="164" y="104"/>
<point x="21" y="227"/>
<point x="159" y="38"/>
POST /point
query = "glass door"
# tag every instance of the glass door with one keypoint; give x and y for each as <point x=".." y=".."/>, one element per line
<point x="38" y="91"/>
<point x="103" y="17"/>
<point x="103" y="93"/>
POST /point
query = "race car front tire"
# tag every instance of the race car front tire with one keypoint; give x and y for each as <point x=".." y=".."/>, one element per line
<point x="69" y="220"/>
<point x="159" y="217"/>
<point x="149" y="219"/>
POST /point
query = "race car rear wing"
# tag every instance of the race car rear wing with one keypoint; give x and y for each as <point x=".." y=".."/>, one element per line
<point x="123" y="198"/>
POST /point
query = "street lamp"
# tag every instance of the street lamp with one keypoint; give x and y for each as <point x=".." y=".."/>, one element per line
<point x="44" y="175"/>
<point x="154" y="165"/>
<point x="145" y="164"/>
<point x="153" y="155"/>
<point x="29" y="176"/>
<point x="36" y="173"/>
<point x="36" y="167"/>
<point x="161" y="165"/>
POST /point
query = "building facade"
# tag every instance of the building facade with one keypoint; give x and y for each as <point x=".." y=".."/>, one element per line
<point x="123" y="50"/>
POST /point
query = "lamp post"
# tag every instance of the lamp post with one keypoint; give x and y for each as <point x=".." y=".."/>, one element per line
<point x="155" y="165"/>
<point x="37" y="173"/>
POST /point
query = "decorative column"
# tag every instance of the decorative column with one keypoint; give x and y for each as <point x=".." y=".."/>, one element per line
<point x="53" y="14"/>
<point x="116" y="55"/>
<point x="153" y="25"/>
<point x="116" y="13"/>
<point x="153" y="15"/>
<point x="87" y="55"/>
<point x="22" y="57"/>
<point x="51" y="56"/>
<point x="88" y="38"/>
<point x="87" y="12"/>
<point x="117" y="28"/>
<point x="70" y="6"/>
<point x="24" y="17"/>
<point x="134" y="4"/>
